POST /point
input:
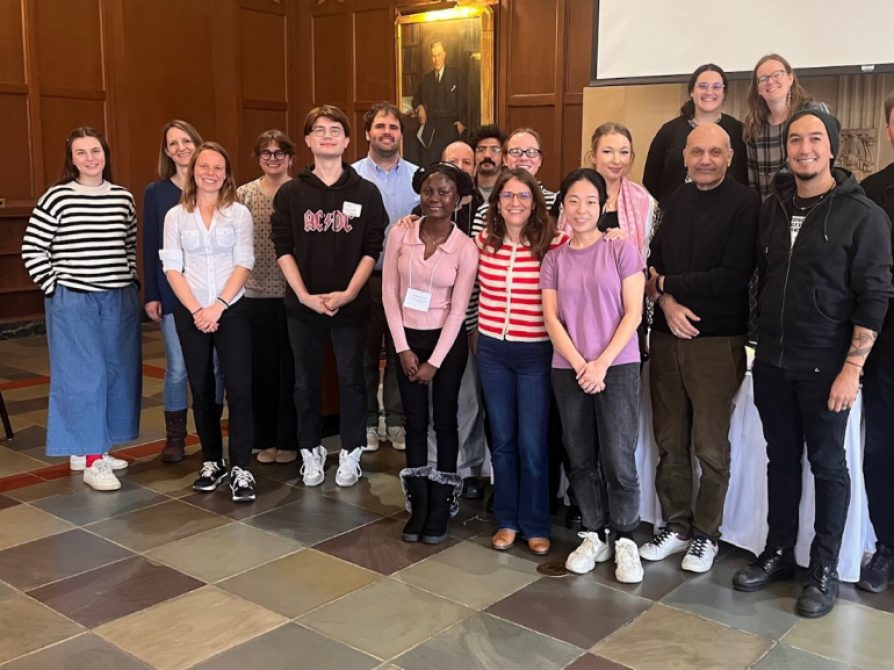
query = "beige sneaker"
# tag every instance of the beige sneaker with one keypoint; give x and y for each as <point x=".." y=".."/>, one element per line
<point x="100" y="477"/>
<point x="397" y="435"/>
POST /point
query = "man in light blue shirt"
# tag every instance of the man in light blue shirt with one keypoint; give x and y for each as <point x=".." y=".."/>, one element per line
<point x="384" y="167"/>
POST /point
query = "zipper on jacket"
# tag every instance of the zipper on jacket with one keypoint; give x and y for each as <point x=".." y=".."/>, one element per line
<point x="788" y="265"/>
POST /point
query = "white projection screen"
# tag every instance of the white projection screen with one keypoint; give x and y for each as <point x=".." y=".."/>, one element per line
<point x="655" y="39"/>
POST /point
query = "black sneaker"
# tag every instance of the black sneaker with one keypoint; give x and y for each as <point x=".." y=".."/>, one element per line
<point x="875" y="575"/>
<point x="242" y="484"/>
<point x="211" y="476"/>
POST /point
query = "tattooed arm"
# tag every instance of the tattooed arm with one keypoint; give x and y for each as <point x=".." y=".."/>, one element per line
<point x="847" y="383"/>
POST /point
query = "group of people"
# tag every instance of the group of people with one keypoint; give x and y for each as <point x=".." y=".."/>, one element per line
<point x="505" y="309"/>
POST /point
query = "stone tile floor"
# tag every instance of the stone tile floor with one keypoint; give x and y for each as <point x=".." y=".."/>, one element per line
<point x="155" y="576"/>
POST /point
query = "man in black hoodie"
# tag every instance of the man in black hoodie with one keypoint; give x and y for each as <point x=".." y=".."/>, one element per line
<point x="328" y="227"/>
<point x="878" y="405"/>
<point x="824" y="271"/>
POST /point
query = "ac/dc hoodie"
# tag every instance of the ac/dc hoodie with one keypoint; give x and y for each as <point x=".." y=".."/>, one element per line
<point x="328" y="229"/>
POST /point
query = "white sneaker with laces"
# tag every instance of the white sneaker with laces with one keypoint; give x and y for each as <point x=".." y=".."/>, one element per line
<point x="628" y="568"/>
<point x="664" y="544"/>
<point x="372" y="439"/>
<point x="590" y="552"/>
<point x="100" y="477"/>
<point x="700" y="555"/>
<point x="397" y="435"/>
<point x="79" y="463"/>
<point x="348" y="467"/>
<point x="312" y="470"/>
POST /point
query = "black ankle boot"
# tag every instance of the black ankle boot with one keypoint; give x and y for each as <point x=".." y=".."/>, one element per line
<point x="175" y="434"/>
<point x="820" y="593"/>
<point x="773" y="564"/>
<point x="415" y="485"/>
<point x="444" y="487"/>
<point x="877" y="574"/>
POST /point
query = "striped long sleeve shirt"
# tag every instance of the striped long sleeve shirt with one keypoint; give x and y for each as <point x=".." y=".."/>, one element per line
<point x="509" y="305"/>
<point x="478" y="224"/>
<point x="82" y="237"/>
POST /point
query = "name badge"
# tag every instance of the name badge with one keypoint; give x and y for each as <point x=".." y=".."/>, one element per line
<point x="418" y="300"/>
<point x="352" y="209"/>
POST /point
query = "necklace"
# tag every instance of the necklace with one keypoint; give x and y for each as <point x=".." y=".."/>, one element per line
<point x="434" y="244"/>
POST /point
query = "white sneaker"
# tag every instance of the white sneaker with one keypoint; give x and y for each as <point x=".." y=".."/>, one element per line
<point x="100" y="477"/>
<point x="312" y="472"/>
<point x="397" y="435"/>
<point x="628" y="569"/>
<point x="348" y="467"/>
<point x="590" y="552"/>
<point x="79" y="463"/>
<point x="664" y="544"/>
<point x="700" y="555"/>
<point x="372" y="439"/>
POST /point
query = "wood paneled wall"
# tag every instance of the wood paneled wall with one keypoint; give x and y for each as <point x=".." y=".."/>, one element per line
<point x="233" y="68"/>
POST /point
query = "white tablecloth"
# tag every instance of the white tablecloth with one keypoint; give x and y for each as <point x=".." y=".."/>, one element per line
<point x="745" y="512"/>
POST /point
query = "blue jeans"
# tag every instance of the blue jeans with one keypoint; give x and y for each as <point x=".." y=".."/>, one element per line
<point x="599" y="431"/>
<point x="96" y="381"/>
<point x="175" y="390"/>
<point x="515" y="383"/>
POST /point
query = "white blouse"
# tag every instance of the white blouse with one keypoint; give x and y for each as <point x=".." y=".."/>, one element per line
<point x="208" y="256"/>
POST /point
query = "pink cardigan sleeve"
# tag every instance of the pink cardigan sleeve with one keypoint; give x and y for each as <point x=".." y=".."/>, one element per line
<point x="391" y="281"/>
<point x="466" y="272"/>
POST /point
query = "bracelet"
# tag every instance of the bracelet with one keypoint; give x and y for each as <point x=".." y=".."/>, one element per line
<point x="223" y="302"/>
<point x="196" y="312"/>
<point x="856" y="365"/>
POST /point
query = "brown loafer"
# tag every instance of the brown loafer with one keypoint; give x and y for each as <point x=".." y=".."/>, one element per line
<point x="539" y="545"/>
<point x="503" y="539"/>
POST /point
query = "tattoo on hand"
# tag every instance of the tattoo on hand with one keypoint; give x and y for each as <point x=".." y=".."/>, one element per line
<point x="861" y="344"/>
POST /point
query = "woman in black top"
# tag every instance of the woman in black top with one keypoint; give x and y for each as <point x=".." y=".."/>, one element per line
<point x="664" y="169"/>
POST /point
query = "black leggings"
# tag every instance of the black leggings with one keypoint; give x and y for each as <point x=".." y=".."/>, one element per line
<point x="445" y="391"/>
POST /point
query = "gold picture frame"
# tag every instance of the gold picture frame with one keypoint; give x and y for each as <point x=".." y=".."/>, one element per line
<point x="445" y="77"/>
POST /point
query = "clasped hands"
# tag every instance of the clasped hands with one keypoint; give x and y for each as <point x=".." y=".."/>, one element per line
<point x="207" y="319"/>
<point x="679" y="317"/>
<point x="327" y="303"/>
<point x="591" y="376"/>
<point x="421" y="373"/>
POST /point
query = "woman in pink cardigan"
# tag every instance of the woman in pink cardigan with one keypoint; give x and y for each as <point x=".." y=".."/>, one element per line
<point x="427" y="277"/>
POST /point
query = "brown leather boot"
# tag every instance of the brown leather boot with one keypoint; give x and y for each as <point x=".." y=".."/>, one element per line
<point x="175" y="429"/>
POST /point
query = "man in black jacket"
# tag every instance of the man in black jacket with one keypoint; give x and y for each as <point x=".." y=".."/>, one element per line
<point x="824" y="270"/>
<point x="702" y="257"/>
<point x="328" y="225"/>
<point x="878" y="406"/>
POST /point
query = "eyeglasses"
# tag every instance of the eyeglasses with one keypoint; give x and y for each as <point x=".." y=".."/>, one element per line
<point x="266" y="154"/>
<point x="775" y="76"/>
<point x="705" y="86"/>
<point x="518" y="153"/>
<point x="524" y="196"/>
<point x="332" y="131"/>
<point x="485" y="149"/>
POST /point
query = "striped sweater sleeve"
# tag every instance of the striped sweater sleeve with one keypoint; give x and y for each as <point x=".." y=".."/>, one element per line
<point x="39" y="234"/>
<point x="478" y="223"/>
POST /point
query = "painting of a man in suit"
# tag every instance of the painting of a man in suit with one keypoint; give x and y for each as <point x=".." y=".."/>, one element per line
<point x="439" y="103"/>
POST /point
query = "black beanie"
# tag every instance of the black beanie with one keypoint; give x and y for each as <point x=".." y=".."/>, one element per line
<point x="833" y="127"/>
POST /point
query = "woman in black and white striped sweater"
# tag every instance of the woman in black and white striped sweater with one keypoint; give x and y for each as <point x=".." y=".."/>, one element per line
<point x="80" y="249"/>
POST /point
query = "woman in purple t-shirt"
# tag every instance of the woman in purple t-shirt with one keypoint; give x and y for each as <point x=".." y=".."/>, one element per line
<point x="592" y="304"/>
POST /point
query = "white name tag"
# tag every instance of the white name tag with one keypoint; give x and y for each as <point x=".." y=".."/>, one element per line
<point x="352" y="209"/>
<point x="418" y="300"/>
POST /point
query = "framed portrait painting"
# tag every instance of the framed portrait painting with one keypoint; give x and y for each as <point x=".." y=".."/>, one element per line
<point x="445" y="61"/>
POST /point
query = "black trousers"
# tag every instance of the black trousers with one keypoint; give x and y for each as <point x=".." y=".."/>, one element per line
<point x="444" y="391"/>
<point x="878" y="454"/>
<point x="792" y="406"/>
<point x="275" y="423"/>
<point x="232" y="340"/>
<point x="308" y="340"/>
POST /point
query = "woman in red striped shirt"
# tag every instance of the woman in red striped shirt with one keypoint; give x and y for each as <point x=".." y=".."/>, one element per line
<point x="514" y="354"/>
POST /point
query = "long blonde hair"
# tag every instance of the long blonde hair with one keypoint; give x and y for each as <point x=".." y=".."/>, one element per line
<point x="227" y="194"/>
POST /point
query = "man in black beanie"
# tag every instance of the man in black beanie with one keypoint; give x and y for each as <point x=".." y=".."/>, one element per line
<point x="824" y="282"/>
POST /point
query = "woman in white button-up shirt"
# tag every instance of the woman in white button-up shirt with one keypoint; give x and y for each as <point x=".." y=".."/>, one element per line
<point x="207" y="255"/>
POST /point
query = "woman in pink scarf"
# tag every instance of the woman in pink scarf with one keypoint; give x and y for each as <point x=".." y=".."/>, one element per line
<point x="628" y="206"/>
